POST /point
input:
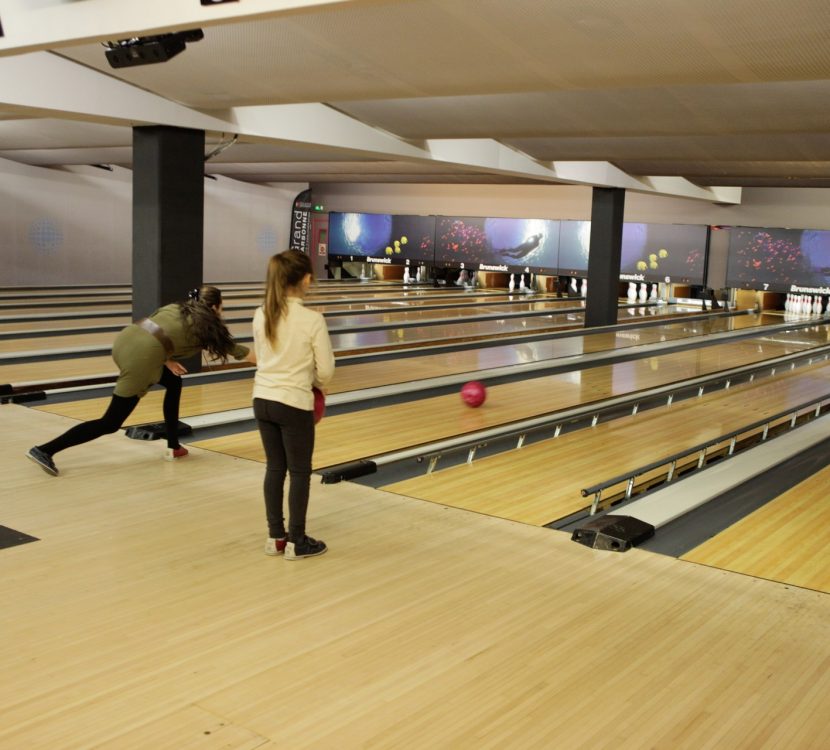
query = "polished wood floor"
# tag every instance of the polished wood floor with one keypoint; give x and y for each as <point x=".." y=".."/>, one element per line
<point x="148" y="617"/>
<point x="786" y="540"/>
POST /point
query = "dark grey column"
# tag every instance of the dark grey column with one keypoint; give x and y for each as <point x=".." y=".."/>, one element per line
<point x="604" y="256"/>
<point x="168" y="215"/>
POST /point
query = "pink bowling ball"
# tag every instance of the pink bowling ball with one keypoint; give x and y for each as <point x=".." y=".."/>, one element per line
<point x="319" y="404"/>
<point x="473" y="393"/>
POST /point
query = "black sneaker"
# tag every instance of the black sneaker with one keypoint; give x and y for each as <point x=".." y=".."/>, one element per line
<point x="308" y="547"/>
<point x="44" y="460"/>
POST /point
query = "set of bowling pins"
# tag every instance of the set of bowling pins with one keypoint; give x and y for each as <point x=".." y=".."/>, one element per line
<point x="803" y="304"/>
<point x="524" y="288"/>
<point x="579" y="289"/>
<point x="407" y="277"/>
<point x="642" y="293"/>
<point x="467" y="279"/>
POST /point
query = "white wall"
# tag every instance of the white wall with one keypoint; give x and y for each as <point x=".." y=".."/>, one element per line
<point x="74" y="226"/>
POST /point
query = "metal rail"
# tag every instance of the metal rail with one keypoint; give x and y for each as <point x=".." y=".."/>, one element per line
<point x="813" y="405"/>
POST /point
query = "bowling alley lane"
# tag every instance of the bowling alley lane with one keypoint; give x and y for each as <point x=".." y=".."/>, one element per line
<point x="402" y="315"/>
<point x="494" y="327"/>
<point x="785" y="540"/>
<point x="545" y="479"/>
<point x="375" y="431"/>
<point x="118" y="317"/>
<point x="354" y="376"/>
<point x="90" y="316"/>
<point x="389" y="337"/>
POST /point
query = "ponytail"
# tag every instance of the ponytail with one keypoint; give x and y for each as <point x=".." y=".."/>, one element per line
<point x="206" y="325"/>
<point x="285" y="270"/>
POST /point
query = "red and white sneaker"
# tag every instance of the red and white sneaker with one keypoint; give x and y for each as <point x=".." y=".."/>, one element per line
<point x="275" y="547"/>
<point x="171" y="454"/>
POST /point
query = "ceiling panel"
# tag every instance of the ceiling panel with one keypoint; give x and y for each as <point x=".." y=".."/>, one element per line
<point x="727" y="91"/>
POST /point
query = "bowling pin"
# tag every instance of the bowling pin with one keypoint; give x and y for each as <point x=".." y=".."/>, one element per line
<point x="418" y="275"/>
<point x="584" y="289"/>
<point x="573" y="285"/>
<point x="787" y="303"/>
<point x="653" y="295"/>
<point x="406" y="278"/>
<point x="512" y="285"/>
<point x="522" y="283"/>
<point x="643" y="294"/>
<point x="632" y="291"/>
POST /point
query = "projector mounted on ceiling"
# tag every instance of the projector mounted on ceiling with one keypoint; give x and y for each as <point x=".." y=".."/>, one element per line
<point x="145" y="50"/>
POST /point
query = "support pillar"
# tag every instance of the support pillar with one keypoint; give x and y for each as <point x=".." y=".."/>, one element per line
<point x="604" y="256"/>
<point x="168" y="215"/>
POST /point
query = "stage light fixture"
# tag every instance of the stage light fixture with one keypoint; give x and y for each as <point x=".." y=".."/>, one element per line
<point x="146" y="50"/>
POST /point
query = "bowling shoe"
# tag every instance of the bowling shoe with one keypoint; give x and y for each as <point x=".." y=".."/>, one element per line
<point x="308" y="547"/>
<point x="171" y="454"/>
<point x="43" y="459"/>
<point x="275" y="547"/>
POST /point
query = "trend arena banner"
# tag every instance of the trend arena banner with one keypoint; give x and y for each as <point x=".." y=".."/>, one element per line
<point x="301" y="222"/>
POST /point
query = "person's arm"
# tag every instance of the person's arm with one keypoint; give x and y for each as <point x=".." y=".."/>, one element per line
<point x="177" y="368"/>
<point x="323" y="354"/>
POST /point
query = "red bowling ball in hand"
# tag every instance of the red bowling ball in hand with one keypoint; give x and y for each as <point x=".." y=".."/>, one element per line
<point x="473" y="393"/>
<point x="319" y="404"/>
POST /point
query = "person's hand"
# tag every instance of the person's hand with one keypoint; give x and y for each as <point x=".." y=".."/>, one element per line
<point x="177" y="368"/>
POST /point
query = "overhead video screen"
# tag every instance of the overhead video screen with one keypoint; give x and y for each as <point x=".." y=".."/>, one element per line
<point x="501" y="244"/>
<point x="777" y="259"/>
<point x="658" y="251"/>
<point x="574" y="243"/>
<point x="385" y="237"/>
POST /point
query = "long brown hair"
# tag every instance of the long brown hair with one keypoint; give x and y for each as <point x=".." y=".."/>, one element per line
<point x="285" y="270"/>
<point x="206" y="325"/>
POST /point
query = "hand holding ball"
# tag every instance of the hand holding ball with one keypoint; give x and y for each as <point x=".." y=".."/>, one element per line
<point x="473" y="393"/>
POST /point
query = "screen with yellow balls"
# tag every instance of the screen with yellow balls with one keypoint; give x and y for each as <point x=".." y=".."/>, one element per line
<point x="396" y="237"/>
<point x="657" y="251"/>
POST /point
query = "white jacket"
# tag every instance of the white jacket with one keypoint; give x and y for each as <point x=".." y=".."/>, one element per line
<point x="301" y="359"/>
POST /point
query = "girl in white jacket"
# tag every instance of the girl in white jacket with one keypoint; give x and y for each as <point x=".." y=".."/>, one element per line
<point x="293" y="354"/>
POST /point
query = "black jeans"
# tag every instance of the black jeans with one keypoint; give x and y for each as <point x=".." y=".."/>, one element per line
<point x="116" y="414"/>
<point x="288" y="438"/>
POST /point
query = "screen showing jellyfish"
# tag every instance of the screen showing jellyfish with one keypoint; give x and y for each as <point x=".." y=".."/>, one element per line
<point x="396" y="237"/>
<point x="511" y="243"/>
<point x="574" y="243"/>
<point x="657" y="251"/>
<point x="777" y="259"/>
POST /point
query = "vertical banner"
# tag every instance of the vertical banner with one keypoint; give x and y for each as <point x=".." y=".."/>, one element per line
<point x="301" y="222"/>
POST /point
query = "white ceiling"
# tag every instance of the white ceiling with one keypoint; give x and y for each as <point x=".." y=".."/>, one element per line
<point x="712" y="92"/>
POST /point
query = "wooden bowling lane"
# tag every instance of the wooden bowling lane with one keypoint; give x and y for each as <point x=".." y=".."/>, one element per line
<point x="447" y="362"/>
<point x="404" y="316"/>
<point x="375" y="431"/>
<point x="786" y="540"/>
<point x="388" y="337"/>
<point x="14" y="319"/>
<point x="392" y="338"/>
<point x="542" y="482"/>
<point x="337" y="314"/>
